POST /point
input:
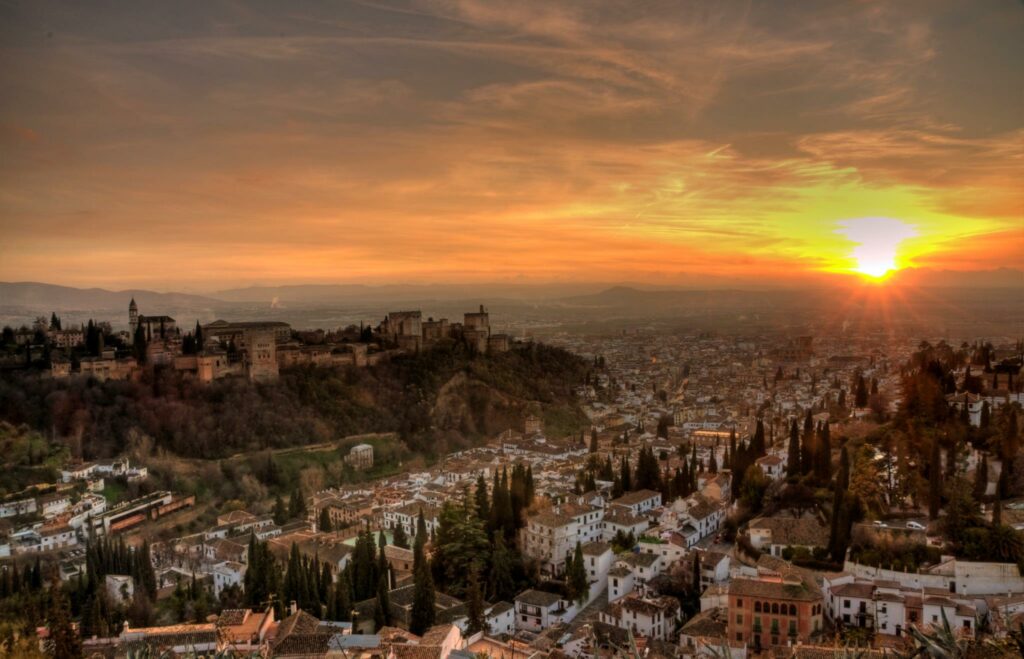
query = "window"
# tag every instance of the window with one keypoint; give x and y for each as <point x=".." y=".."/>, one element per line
<point x="913" y="616"/>
<point x="739" y="636"/>
<point x="739" y="618"/>
<point x="846" y="604"/>
<point x="967" y="624"/>
<point x="757" y="607"/>
<point x="775" y="608"/>
<point x="792" y="627"/>
<point x="739" y="602"/>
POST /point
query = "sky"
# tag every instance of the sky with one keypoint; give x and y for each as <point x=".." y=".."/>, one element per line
<point x="204" y="145"/>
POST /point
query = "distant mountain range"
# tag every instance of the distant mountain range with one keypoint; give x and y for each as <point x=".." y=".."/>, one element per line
<point x="327" y="305"/>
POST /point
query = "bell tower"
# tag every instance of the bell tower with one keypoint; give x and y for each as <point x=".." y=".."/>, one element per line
<point x="133" y="316"/>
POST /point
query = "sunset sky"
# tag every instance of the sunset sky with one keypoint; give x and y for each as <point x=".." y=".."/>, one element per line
<point x="202" y="145"/>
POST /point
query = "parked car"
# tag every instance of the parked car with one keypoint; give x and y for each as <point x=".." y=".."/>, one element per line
<point x="917" y="526"/>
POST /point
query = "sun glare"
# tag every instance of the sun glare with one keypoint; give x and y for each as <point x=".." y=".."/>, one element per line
<point x="876" y="246"/>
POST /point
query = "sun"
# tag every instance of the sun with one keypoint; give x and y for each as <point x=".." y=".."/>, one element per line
<point x="876" y="244"/>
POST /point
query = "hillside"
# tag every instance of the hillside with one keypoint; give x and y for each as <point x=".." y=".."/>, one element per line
<point x="441" y="399"/>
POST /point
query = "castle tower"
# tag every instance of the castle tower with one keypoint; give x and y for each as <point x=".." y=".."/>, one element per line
<point x="133" y="317"/>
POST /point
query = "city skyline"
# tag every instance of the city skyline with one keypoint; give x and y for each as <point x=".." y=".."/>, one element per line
<point x="219" y="145"/>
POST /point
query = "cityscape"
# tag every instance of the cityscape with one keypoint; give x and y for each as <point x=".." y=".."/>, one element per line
<point x="473" y="330"/>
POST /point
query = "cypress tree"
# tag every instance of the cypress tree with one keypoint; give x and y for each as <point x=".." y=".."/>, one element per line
<point x="501" y="584"/>
<point x="399" y="538"/>
<point x="758" y="443"/>
<point x="483" y="504"/>
<point x="837" y="535"/>
<point x="934" y="481"/>
<point x="382" y="612"/>
<point x="421" y="617"/>
<point x="793" y="454"/>
<point x="474" y="602"/>
<point x="807" y="450"/>
<point x="342" y="598"/>
<point x="593" y="440"/>
<point x="981" y="479"/>
<point x="823" y="457"/>
<point x="576" y="576"/>
<point x="324" y="524"/>
<point x="625" y="475"/>
<point x="63" y="641"/>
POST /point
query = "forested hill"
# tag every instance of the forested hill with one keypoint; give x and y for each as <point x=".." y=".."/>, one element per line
<point x="441" y="399"/>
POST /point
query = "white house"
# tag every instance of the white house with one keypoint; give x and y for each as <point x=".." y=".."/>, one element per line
<point x="537" y="610"/>
<point x="500" y="618"/>
<point x="226" y="574"/>
<point x="652" y="617"/>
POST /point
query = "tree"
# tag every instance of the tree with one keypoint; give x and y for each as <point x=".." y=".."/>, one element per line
<point x="475" y="602"/>
<point x="421" y="617"/>
<point x="342" y="598"/>
<point x="839" y="530"/>
<point x="280" y="511"/>
<point x="755" y="484"/>
<point x="63" y="641"/>
<point x="934" y="481"/>
<point x="139" y="343"/>
<point x="823" y="456"/>
<point x="483" y="504"/>
<point x="860" y="398"/>
<point x="981" y="478"/>
<point x="758" y="441"/>
<point x="807" y="450"/>
<point x="593" y="440"/>
<point x="324" y="523"/>
<point x="382" y="611"/>
<point x="399" y="538"/>
<point x="500" y="583"/>
<point x="793" y="465"/>
<point x="297" y="504"/>
<point x="576" y="576"/>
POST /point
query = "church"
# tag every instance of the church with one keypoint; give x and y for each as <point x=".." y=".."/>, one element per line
<point x="154" y="326"/>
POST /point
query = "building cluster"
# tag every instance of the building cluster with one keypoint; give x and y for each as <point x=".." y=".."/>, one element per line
<point x="256" y="350"/>
<point x="60" y="517"/>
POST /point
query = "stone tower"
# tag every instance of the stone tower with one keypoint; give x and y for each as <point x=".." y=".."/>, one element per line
<point x="133" y="317"/>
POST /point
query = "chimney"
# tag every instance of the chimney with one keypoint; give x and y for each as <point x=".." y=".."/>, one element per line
<point x="293" y="608"/>
<point x="481" y="308"/>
